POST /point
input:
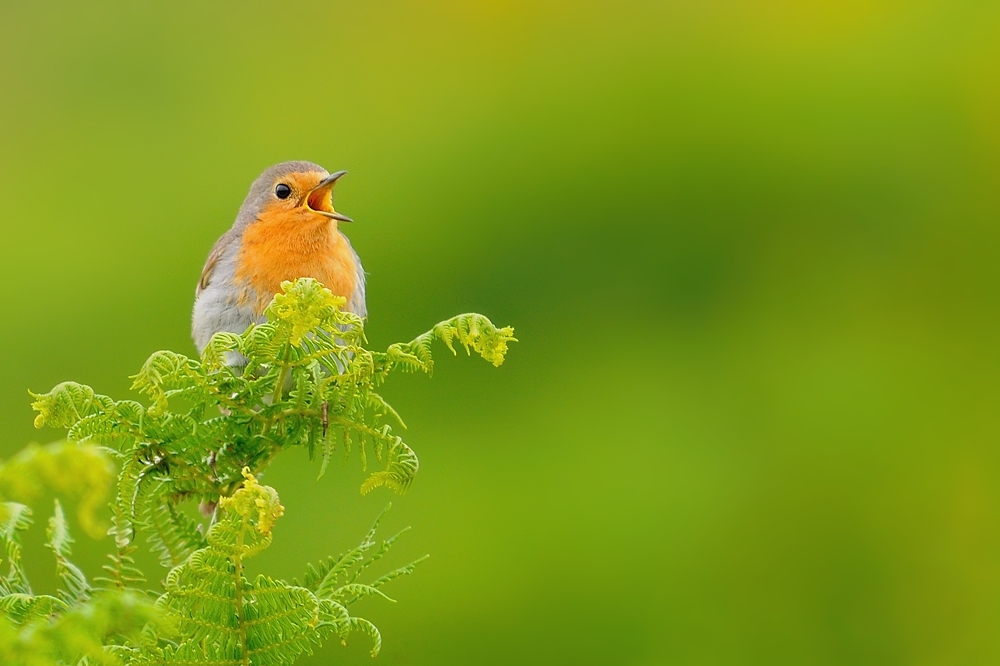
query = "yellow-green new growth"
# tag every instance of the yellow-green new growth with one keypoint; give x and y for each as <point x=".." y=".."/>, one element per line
<point x="255" y="497"/>
<point x="302" y="306"/>
<point x="473" y="331"/>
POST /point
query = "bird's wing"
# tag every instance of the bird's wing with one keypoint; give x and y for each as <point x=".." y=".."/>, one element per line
<point x="213" y="260"/>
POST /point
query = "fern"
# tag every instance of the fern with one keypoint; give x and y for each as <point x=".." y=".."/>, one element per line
<point x="210" y="427"/>
<point x="14" y="519"/>
<point x="473" y="331"/>
<point x="82" y="473"/>
<point x="86" y="633"/>
<point x="75" y="586"/>
<point x="75" y="627"/>
<point x="173" y="536"/>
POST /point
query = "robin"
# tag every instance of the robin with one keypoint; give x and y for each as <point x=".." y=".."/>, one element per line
<point x="286" y="229"/>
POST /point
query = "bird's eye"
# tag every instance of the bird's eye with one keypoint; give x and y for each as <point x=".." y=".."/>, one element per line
<point x="282" y="191"/>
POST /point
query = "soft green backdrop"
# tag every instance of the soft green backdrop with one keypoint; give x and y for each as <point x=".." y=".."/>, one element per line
<point x="750" y="249"/>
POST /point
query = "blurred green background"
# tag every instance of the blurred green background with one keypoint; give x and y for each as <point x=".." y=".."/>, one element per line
<point x="750" y="251"/>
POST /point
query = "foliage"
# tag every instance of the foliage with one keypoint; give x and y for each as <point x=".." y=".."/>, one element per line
<point x="212" y="426"/>
<point x="83" y="473"/>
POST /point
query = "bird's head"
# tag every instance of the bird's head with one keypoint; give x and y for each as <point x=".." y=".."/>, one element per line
<point x="293" y="191"/>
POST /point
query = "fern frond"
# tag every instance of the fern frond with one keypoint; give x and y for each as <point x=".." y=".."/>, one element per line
<point x="75" y="587"/>
<point x="215" y="356"/>
<point x="67" y="403"/>
<point x="473" y="331"/>
<point x="324" y="578"/>
<point x="401" y="571"/>
<point x="14" y="519"/>
<point x="366" y="627"/>
<point x="228" y="618"/>
<point x="122" y="572"/>
<point x="348" y="594"/>
<point x="280" y="622"/>
<point x="383" y="549"/>
<point x="335" y="579"/>
<point x="378" y="404"/>
<point x="172" y="534"/>
<point x="130" y="479"/>
<point x="401" y="465"/>
<point x="336" y="618"/>
<point x="163" y="371"/>
<point x="23" y="608"/>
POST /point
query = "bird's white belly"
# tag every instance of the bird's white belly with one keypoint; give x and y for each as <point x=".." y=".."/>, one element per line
<point x="215" y="310"/>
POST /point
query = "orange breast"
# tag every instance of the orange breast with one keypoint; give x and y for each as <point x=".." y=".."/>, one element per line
<point x="285" y="245"/>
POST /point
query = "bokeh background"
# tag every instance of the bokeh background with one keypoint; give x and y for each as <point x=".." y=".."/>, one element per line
<point x="750" y="250"/>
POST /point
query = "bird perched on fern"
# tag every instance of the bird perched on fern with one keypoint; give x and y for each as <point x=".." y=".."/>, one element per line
<point x="279" y="325"/>
<point x="285" y="229"/>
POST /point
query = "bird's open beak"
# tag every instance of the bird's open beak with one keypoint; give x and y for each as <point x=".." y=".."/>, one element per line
<point x="320" y="198"/>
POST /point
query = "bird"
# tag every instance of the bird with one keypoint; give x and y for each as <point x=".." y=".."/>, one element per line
<point x="286" y="228"/>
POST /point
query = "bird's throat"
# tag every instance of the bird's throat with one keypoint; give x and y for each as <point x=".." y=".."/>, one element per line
<point x="276" y="248"/>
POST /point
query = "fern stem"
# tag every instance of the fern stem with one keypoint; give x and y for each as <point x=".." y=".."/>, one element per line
<point x="282" y="377"/>
<point x="240" y="615"/>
